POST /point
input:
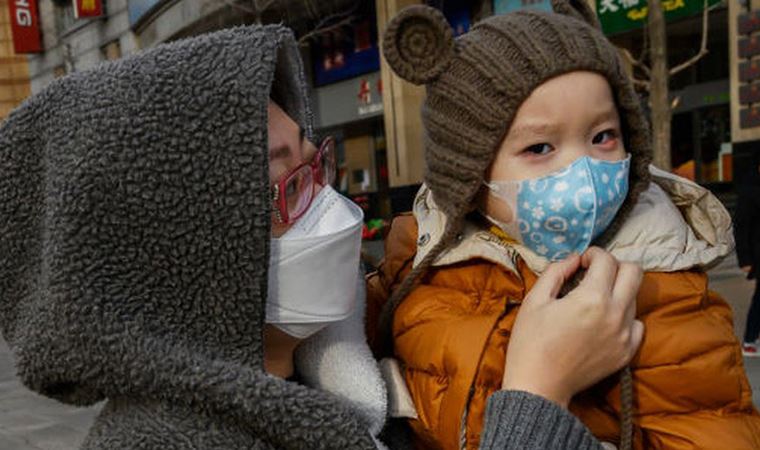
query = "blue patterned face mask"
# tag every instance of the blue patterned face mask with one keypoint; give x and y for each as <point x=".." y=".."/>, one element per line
<point x="565" y="211"/>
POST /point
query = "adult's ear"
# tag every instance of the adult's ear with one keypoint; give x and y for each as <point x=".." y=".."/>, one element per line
<point x="580" y="9"/>
<point x="418" y="44"/>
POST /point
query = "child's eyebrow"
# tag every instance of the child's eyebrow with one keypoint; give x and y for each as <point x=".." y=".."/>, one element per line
<point x="528" y="130"/>
<point x="607" y="115"/>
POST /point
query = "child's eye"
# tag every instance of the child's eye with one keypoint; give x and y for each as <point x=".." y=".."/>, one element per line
<point x="539" y="149"/>
<point x="604" y="137"/>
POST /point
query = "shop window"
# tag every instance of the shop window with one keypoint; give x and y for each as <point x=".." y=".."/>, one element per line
<point x="347" y="51"/>
<point x="714" y="131"/>
<point x="698" y="139"/>
<point x="111" y="51"/>
<point x="682" y="145"/>
<point x="64" y="16"/>
<point x="59" y="71"/>
<point x="714" y="65"/>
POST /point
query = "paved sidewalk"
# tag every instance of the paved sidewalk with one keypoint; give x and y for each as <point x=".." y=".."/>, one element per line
<point x="32" y="422"/>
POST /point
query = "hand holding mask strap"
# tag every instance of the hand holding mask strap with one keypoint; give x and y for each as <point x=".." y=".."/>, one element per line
<point x="418" y="44"/>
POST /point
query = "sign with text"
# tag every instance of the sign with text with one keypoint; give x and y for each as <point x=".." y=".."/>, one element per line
<point x="749" y="70"/>
<point x="505" y="6"/>
<point x="25" y="26"/>
<point x="88" y="8"/>
<point x="347" y="101"/>
<point x="749" y="117"/>
<point x="749" y="93"/>
<point x="749" y="22"/>
<point x="749" y="47"/>
<point x="618" y="16"/>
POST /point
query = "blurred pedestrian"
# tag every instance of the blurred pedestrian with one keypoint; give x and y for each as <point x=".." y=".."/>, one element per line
<point x="747" y="232"/>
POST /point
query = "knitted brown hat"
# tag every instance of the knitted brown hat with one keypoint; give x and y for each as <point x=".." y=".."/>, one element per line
<point x="475" y="85"/>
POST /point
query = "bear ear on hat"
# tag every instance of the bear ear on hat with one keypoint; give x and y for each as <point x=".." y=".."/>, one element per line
<point x="579" y="9"/>
<point x="418" y="44"/>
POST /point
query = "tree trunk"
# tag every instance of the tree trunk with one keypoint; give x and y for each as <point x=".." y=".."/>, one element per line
<point x="658" y="92"/>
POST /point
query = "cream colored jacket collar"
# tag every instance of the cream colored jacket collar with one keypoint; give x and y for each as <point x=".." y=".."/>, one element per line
<point x="675" y="225"/>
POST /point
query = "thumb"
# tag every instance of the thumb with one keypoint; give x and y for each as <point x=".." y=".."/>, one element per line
<point x="550" y="282"/>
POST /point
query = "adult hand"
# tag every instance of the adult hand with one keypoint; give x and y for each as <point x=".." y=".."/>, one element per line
<point x="746" y="269"/>
<point x="561" y="346"/>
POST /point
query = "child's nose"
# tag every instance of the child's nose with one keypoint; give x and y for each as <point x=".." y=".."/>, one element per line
<point x="578" y="150"/>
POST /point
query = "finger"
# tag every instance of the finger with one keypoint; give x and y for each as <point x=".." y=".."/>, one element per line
<point x="602" y="270"/>
<point x="550" y="282"/>
<point x="637" y="336"/>
<point x="626" y="289"/>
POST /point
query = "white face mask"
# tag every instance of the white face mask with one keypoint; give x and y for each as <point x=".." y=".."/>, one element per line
<point x="313" y="267"/>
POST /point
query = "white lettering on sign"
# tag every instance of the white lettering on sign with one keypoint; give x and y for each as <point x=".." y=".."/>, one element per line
<point x="23" y="14"/>
<point x="608" y="6"/>
<point x="370" y="109"/>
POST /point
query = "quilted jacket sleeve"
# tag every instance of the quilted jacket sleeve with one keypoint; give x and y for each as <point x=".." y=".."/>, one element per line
<point x="691" y="389"/>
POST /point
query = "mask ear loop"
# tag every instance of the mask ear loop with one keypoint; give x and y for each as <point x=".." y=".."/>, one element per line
<point x="497" y="189"/>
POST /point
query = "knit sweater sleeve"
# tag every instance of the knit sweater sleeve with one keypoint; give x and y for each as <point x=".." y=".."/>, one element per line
<point x="520" y="420"/>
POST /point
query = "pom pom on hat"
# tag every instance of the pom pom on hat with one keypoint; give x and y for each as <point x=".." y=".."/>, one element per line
<point x="418" y="44"/>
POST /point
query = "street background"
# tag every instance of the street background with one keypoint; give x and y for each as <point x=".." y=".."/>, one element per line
<point x="32" y="422"/>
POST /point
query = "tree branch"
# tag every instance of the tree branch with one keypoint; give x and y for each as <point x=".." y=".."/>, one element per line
<point x="343" y="18"/>
<point x="645" y="44"/>
<point x="321" y="29"/>
<point x="643" y="84"/>
<point x="702" y="48"/>
<point x="263" y="6"/>
<point x="636" y="62"/>
<point x="255" y="9"/>
<point x="237" y="5"/>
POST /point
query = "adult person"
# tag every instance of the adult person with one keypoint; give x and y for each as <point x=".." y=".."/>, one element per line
<point x="136" y="251"/>
<point x="747" y="233"/>
<point x="162" y="214"/>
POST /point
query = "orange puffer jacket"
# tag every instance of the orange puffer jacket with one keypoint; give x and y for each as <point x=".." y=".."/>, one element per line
<point x="451" y="333"/>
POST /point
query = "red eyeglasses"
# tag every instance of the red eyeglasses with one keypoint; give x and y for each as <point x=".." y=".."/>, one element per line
<point x="293" y="192"/>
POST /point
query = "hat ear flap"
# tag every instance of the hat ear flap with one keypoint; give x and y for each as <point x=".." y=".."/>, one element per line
<point x="579" y="9"/>
<point x="418" y="44"/>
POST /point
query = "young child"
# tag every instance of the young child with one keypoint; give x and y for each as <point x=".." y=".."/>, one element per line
<point x="537" y="148"/>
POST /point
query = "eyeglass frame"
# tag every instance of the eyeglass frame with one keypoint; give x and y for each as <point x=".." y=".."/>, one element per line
<point x="279" y="205"/>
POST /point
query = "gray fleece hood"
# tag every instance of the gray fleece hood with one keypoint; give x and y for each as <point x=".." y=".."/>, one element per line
<point x="134" y="241"/>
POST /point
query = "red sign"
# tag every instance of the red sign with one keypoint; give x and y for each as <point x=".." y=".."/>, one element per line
<point x="25" y="25"/>
<point x="88" y="8"/>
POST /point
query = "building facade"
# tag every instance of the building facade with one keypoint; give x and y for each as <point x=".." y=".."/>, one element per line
<point x="14" y="71"/>
<point x="375" y="115"/>
<point x="71" y="44"/>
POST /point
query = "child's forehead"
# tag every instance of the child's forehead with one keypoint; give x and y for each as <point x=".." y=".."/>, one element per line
<point x="565" y="98"/>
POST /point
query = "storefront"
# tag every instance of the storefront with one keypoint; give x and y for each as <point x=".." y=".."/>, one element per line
<point x="700" y="96"/>
<point x="347" y="94"/>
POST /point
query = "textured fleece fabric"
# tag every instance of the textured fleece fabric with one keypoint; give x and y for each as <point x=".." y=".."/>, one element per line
<point x="134" y="248"/>
<point x="522" y="421"/>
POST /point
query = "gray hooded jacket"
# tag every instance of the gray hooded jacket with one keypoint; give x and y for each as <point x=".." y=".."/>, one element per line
<point x="134" y="246"/>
